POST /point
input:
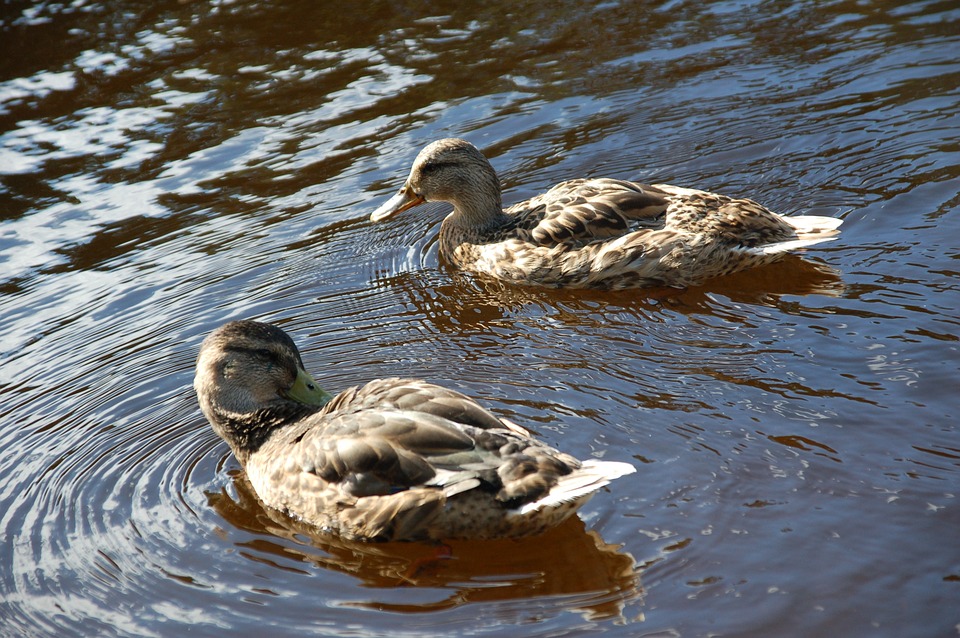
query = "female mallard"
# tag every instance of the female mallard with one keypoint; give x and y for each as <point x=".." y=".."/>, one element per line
<point x="396" y="459"/>
<point x="595" y="233"/>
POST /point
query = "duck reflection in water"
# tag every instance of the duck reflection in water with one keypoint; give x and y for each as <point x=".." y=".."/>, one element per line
<point x="577" y="567"/>
<point x="466" y="303"/>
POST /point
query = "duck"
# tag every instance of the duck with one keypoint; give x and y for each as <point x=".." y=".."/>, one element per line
<point x="396" y="459"/>
<point x="598" y="233"/>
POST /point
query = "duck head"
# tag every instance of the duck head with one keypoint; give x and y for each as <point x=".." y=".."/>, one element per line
<point x="250" y="380"/>
<point x="449" y="170"/>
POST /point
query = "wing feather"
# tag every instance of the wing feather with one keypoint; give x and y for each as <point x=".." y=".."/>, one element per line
<point x="585" y="210"/>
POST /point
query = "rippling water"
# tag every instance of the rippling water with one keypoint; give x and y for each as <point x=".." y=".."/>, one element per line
<point x="166" y="168"/>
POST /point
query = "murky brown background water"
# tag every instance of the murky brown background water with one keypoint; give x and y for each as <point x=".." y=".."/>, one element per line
<point x="166" y="167"/>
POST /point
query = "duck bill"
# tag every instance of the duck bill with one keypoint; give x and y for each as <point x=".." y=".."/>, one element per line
<point x="400" y="202"/>
<point x="305" y="390"/>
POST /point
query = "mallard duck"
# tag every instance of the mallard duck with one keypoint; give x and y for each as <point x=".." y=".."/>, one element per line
<point x="595" y="233"/>
<point x="395" y="459"/>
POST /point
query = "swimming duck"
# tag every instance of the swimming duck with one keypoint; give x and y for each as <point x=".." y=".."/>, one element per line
<point x="395" y="459"/>
<point x="595" y="233"/>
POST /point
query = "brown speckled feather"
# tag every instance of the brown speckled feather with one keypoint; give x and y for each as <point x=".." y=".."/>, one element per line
<point x="581" y="211"/>
<point x="596" y="233"/>
<point x="395" y="459"/>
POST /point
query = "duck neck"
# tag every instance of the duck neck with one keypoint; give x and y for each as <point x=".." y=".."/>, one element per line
<point x="479" y="208"/>
<point x="247" y="432"/>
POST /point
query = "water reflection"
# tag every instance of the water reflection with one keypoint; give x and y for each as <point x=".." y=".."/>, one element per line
<point x="573" y="566"/>
<point x="454" y="301"/>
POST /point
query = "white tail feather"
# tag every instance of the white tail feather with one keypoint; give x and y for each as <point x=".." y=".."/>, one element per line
<point x="583" y="482"/>
<point x="813" y="223"/>
<point x="811" y="229"/>
<point x="793" y="244"/>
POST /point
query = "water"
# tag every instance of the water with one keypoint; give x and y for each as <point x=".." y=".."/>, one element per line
<point x="166" y="168"/>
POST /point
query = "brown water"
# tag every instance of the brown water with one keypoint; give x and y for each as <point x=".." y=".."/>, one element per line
<point x="169" y="166"/>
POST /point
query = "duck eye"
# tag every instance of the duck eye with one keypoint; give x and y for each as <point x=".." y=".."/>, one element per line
<point x="268" y="359"/>
<point x="431" y="167"/>
<point x="227" y="369"/>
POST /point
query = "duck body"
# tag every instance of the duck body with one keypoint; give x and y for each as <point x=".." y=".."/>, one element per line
<point x="395" y="459"/>
<point x="595" y="233"/>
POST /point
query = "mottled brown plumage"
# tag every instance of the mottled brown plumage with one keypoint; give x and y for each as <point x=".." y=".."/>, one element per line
<point x="595" y="233"/>
<point x="395" y="459"/>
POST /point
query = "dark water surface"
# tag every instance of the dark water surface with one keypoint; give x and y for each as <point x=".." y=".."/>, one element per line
<point x="168" y="166"/>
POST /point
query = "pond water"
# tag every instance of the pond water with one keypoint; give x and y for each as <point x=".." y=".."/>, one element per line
<point x="166" y="167"/>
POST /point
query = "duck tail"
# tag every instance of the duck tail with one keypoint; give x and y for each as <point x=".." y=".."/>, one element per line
<point x="580" y="484"/>
<point x="810" y="229"/>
